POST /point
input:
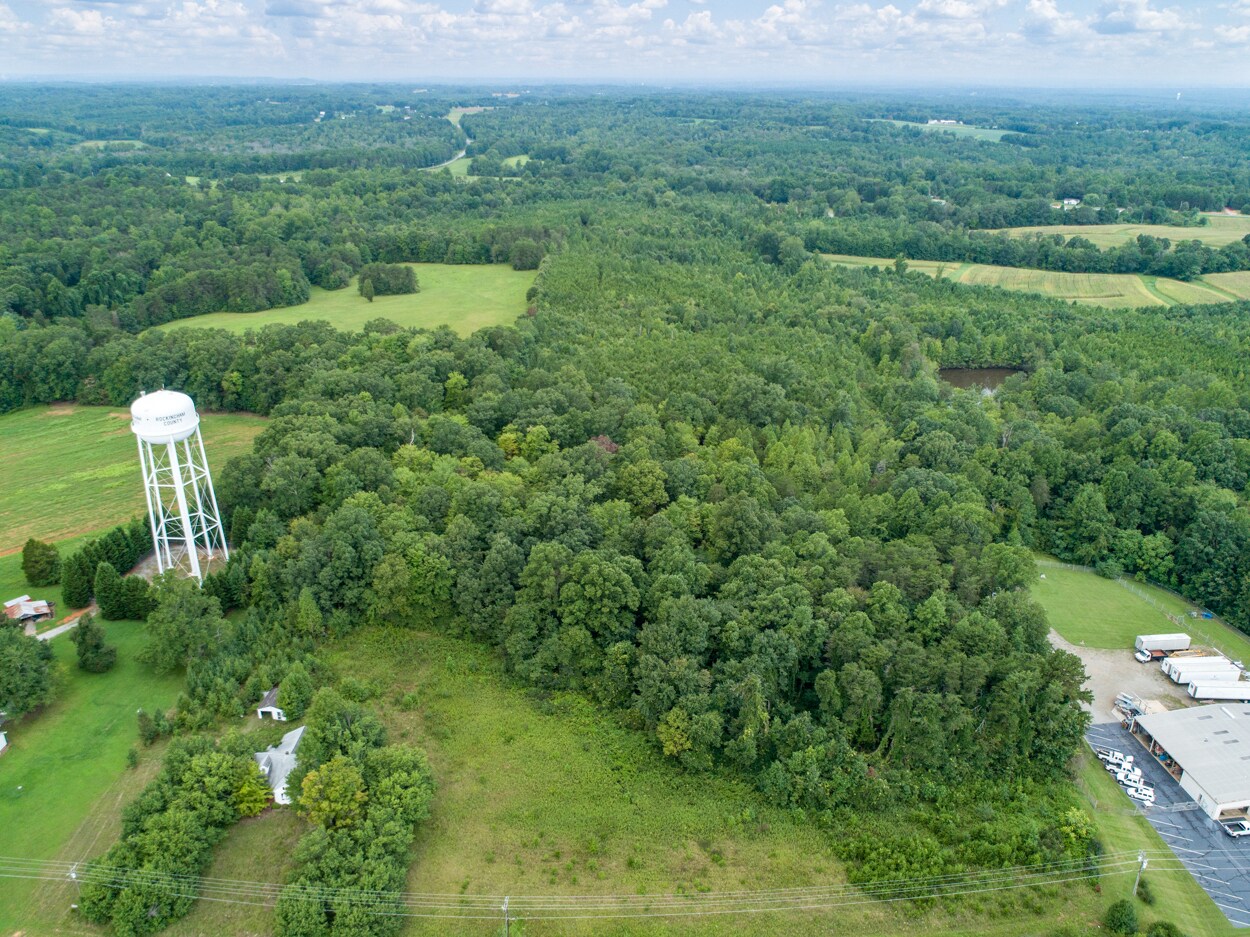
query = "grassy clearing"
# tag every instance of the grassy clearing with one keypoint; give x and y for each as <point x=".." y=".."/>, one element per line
<point x="1219" y="230"/>
<point x="53" y="491"/>
<point x="456" y="113"/>
<point x="1178" y="898"/>
<point x="959" y="130"/>
<point x="1114" y="290"/>
<point x="1237" y="284"/>
<point x="459" y="167"/>
<point x="1087" y="609"/>
<point x="101" y="144"/>
<point x="551" y="797"/>
<point x="64" y="778"/>
<point x="464" y="297"/>
<point x="515" y="161"/>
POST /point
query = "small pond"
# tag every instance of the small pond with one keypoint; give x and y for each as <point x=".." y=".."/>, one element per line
<point x="988" y="379"/>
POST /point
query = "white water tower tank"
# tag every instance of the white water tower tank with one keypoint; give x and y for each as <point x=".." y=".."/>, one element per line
<point x="182" y="506"/>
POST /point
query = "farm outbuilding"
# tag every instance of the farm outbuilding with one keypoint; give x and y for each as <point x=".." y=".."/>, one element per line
<point x="1207" y="750"/>
<point x="269" y="707"/>
<point x="25" y="610"/>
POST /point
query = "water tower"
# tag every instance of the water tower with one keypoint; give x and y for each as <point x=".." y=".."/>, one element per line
<point x="186" y="525"/>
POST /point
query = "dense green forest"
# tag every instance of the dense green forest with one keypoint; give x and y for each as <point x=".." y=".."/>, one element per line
<point x="710" y="481"/>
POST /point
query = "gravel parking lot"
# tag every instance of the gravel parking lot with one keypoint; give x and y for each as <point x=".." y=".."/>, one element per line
<point x="1217" y="861"/>
<point x="1115" y="671"/>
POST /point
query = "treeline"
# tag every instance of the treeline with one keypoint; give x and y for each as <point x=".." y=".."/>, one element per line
<point x="117" y="552"/>
<point x="1146" y="254"/>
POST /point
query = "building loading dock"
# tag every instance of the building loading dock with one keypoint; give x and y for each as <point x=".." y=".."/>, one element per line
<point x="1207" y="750"/>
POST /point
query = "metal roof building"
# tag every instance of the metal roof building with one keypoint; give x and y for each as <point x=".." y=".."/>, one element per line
<point x="1207" y="749"/>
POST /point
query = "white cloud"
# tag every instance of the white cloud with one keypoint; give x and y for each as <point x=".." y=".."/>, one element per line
<point x="1136" y="16"/>
<point x="9" y="21"/>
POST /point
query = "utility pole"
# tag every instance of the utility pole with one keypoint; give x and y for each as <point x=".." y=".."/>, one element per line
<point x="1142" y="862"/>
<point x="507" y="922"/>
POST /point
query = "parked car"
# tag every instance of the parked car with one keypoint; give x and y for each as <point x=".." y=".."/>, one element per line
<point x="1143" y="657"/>
<point x="1145" y="796"/>
<point x="1236" y="827"/>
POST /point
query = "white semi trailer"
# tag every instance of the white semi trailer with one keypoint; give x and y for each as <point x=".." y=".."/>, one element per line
<point x="1230" y="675"/>
<point x="1239" y="692"/>
<point x="1162" y="642"/>
<point x="1174" y="665"/>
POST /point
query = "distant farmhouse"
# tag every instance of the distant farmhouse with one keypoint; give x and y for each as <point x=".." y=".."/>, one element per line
<point x="27" y="611"/>
<point x="277" y="763"/>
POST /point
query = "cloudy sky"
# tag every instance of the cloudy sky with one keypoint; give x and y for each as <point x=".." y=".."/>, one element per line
<point x="1124" y="43"/>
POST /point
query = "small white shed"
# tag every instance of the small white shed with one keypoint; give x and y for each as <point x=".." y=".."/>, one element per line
<point x="269" y="707"/>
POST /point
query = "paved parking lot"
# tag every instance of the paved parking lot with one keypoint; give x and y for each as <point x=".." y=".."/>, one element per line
<point x="1220" y="863"/>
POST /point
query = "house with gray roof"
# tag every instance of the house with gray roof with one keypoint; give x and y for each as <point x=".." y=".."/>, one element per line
<point x="277" y="763"/>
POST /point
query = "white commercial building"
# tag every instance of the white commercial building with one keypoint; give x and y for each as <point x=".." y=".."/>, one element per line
<point x="1207" y="748"/>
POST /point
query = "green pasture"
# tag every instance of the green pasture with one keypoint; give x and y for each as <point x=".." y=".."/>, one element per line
<point x="1219" y="230"/>
<point x="958" y="130"/>
<point x="101" y="144"/>
<point x="1237" y="285"/>
<point x="1106" y="613"/>
<point x="516" y="161"/>
<point x="462" y="296"/>
<point x="456" y="113"/>
<point x="70" y="470"/>
<point x="64" y="778"/>
<point x="1115" y="290"/>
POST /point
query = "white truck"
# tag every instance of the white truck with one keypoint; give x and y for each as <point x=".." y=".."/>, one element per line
<point x="1229" y="674"/>
<point x="1173" y="665"/>
<point x="1239" y="692"/>
<point x="1162" y="642"/>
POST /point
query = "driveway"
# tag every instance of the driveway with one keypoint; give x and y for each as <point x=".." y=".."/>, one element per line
<point x="1217" y="861"/>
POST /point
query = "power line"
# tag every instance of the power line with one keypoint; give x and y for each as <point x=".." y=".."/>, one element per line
<point x="571" y="907"/>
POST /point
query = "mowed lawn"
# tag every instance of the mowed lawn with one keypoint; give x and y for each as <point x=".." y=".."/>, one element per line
<point x="1219" y="230"/>
<point x="1114" y="290"/>
<point x="1089" y="609"/>
<point x="463" y="296"/>
<point x="67" y="762"/>
<point x="69" y="470"/>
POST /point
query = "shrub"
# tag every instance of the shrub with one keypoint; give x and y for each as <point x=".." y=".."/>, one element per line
<point x="94" y="656"/>
<point x="41" y="564"/>
<point x="1164" y="929"/>
<point x="1121" y="918"/>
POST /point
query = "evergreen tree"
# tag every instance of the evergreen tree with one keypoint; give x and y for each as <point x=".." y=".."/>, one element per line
<point x="108" y="593"/>
<point x="77" y="579"/>
<point x="41" y="564"/>
<point x="296" y="692"/>
<point x="25" y="673"/>
<point x="94" y="656"/>
<point x="366" y="289"/>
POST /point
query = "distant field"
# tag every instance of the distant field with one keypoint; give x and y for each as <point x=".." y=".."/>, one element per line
<point x="69" y="470"/>
<point x="64" y="778"/>
<point x="100" y="144"/>
<point x="456" y="113"/>
<point x="515" y="161"/>
<point x="465" y="297"/>
<point x="1115" y="290"/>
<point x="459" y="167"/>
<point x="1102" y="613"/>
<point x="1220" y="229"/>
<point x="959" y="130"/>
<point x="1237" y="284"/>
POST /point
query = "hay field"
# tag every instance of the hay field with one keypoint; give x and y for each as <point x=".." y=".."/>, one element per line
<point x="1219" y="230"/>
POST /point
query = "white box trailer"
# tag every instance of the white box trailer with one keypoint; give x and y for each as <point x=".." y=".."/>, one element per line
<point x="1162" y="642"/>
<point x="1230" y="675"/>
<point x="1174" y="665"/>
<point x="1239" y="691"/>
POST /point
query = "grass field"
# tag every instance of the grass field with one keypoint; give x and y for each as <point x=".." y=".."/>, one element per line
<point x="465" y="297"/>
<point x="1219" y="230"/>
<point x="958" y="130"/>
<point x="1115" y="290"/>
<point x="456" y="113"/>
<point x="52" y="490"/>
<point x="64" y="778"/>
<point x="101" y="144"/>
<point x="514" y="161"/>
<point x="550" y="797"/>
<point x="1088" y="609"/>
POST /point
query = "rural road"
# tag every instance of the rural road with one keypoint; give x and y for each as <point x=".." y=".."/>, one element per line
<point x="468" y="142"/>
